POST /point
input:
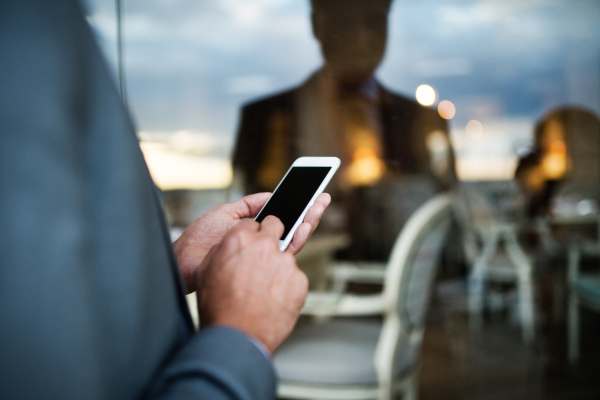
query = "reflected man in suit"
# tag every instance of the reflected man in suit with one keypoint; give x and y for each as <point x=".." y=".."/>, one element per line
<point x="565" y="159"/>
<point x="382" y="139"/>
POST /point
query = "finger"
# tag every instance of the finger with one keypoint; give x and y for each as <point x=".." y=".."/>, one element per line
<point x="272" y="226"/>
<point x="311" y="221"/>
<point x="300" y="238"/>
<point x="248" y="206"/>
<point x="314" y="214"/>
<point x="324" y="199"/>
<point x="316" y="210"/>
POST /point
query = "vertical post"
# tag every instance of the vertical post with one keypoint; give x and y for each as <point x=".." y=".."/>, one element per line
<point x="121" y="67"/>
<point x="573" y="312"/>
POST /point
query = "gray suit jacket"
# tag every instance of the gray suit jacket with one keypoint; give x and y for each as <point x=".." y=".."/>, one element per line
<point x="91" y="304"/>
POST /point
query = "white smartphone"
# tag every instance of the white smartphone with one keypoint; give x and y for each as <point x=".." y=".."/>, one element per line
<point x="297" y="191"/>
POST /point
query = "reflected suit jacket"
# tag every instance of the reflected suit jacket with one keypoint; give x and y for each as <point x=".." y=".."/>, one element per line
<point x="269" y="141"/>
<point x="91" y="304"/>
<point x="273" y="121"/>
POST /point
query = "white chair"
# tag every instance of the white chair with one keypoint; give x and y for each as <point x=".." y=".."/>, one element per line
<point x="376" y="357"/>
<point x="492" y="216"/>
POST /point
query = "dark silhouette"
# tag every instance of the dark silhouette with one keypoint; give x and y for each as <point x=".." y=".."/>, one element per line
<point x="565" y="161"/>
<point x="387" y="143"/>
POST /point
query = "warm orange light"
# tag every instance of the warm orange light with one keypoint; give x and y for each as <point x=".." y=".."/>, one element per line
<point x="558" y="147"/>
<point x="446" y="109"/>
<point x="554" y="166"/>
<point x="366" y="167"/>
<point x="364" y="152"/>
<point x="474" y="129"/>
<point x="482" y="168"/>
<point x="554" y="163"/>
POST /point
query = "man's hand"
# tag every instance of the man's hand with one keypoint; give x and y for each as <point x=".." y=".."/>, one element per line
<point x="248" y="284"/>
<point x="208" y="231"/>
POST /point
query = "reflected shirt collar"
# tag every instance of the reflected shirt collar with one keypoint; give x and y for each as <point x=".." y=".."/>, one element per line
<point x="369" y="89"/>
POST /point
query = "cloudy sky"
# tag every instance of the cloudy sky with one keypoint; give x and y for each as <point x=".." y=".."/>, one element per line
<point x="190" y="64"/>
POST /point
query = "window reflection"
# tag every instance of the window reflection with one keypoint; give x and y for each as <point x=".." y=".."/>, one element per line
<point x="415" y="97"/>
<point x="390" y="146"/>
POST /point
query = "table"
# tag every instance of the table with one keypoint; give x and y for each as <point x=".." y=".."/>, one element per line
<point x="576" y="247"/>
<point x="316" y="257"/>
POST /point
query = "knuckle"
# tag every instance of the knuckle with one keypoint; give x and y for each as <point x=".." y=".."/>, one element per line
<point x="249" y="224"/>
<point x="266" y="243"/>
<point x="238" y="234"/>
<point x="237" y="237"/>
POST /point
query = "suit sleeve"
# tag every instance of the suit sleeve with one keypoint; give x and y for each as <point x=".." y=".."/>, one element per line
<point x="219" y="363"/>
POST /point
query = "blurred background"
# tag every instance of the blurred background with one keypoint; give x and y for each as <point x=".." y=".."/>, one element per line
<point x="499" y="100"/>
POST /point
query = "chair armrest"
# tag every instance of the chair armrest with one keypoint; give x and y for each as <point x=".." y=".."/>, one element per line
<point x="360" y="272"/>
<point x="333" y="304"/>
<point x="365" y="272"/>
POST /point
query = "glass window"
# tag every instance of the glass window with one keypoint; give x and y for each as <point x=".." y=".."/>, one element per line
<point x="494" y="101"/>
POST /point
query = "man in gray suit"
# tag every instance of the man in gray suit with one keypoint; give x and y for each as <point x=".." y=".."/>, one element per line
<point x="91" y="299"/>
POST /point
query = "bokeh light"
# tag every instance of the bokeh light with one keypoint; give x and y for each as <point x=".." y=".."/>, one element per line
<point x="554" y="162"/>
<point x="474" y="129"/>
<point x="366" y="167"/>
<point x="425" y="95"/>
<point x="446" y="109"/>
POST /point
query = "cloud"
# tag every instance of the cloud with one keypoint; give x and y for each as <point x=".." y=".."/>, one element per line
<point x="252" y="84"/>
<point x="190" y="64"/>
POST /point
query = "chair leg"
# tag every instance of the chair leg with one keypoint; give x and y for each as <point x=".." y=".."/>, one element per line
<point x="412" y="391"/>
<point x="524" y="275"/>
<point x="526" y="309"/>
<point x="573" y="313"/>
<point x="386" y="392"/>
<point x="407" y="389"/>
<point x="573" y="329"/>
<point x="475" y="289"/>
<point x="476" y="283"/>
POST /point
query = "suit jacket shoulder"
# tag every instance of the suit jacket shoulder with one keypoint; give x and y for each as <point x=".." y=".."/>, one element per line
<point x="281" y="100"/>
<point x="407" y="127"/>
<point x="397" y="106"/>
<point x="267" y="120"/>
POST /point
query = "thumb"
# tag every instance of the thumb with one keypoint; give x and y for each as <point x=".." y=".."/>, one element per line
<point x="248" y="206"/>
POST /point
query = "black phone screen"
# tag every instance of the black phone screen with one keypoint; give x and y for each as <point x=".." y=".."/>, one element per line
<point x="293" y="195"/>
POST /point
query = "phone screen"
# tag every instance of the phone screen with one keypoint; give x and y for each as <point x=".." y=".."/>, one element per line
<point x="293" y="195"/>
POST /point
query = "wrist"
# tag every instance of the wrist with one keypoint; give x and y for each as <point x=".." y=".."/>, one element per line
<point x="260" y="345"/>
